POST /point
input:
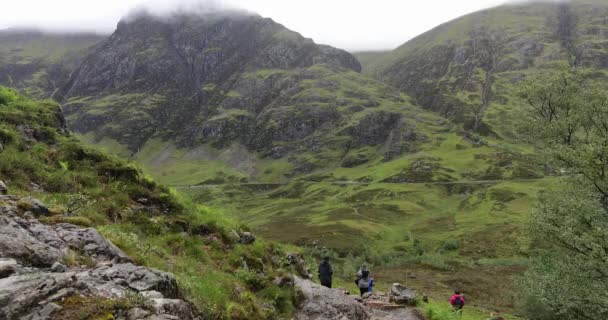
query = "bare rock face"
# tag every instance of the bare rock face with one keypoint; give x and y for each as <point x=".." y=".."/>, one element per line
<point x="402" y="295"/>
<point x="35" y="244"/>
<point x="34" y="282"/>
<point x="191" y="63"/>
<point x="7" y="267"/>
<point x="3" y="187"/>
<point x="321" y="303"/>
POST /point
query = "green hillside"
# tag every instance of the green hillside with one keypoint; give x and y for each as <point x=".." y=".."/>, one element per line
<point x="38" y="63"/>
<point x="467" y="69"/>
<point x="151" y="223"/>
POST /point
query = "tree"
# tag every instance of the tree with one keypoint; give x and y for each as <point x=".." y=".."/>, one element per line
<point x="568" y="118"/>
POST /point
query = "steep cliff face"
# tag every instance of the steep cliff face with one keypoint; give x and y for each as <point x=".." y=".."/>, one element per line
<point x="192" y="78"/>
<point x="467" y="69"/>
<point x="38" y="63"/>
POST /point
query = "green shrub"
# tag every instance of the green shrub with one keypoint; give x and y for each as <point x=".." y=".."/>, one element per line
<point x="450" y="245"/>
<point x="7" y="136"/>
<point x="8" y="96"/>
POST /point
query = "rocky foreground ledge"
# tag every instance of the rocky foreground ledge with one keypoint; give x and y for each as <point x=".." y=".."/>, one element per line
<point x="53" y="271"/>
<point x="321" y="303"/>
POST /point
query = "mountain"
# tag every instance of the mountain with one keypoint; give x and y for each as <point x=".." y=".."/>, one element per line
<point x="37" y="62"/>
<point x="468" y="69"/>
<point x="197" y="79"/>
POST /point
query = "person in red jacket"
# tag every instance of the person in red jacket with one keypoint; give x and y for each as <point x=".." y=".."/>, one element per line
<point x="457" y="301"/>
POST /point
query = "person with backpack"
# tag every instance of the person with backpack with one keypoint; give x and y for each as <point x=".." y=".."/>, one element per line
<point x="457" y="302"/>
<point x="363" y="279"/>
<point x="326" y="272"/>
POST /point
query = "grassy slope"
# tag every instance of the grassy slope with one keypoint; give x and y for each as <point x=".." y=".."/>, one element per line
<point x="526" y="38"/>
<point x="37" y="63"/>
<point x="168" y="233"/>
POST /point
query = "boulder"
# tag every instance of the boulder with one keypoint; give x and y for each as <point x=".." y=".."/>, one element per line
<point x="30" y="243"/>
<point x="137" y="278"/>
<point x="320" y="303"/>
<point x="22" y="295"/>
<point x="33" y="205"/>
<point x="7" y="267"/>
<point x="58" y="267"/>
<point x="401" y="295"/>
<point x="174" y="307"/>
<point x="138" y="314"/>
<point x="90" y="242"/>
<point x="247" y="238"/>
<point x="3" y="188"/>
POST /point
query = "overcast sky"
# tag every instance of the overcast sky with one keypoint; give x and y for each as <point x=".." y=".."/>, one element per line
<point x="349" y="24"/>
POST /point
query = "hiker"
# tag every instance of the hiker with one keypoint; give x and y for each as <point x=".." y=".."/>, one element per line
<point x="325" y="272"/>
<point x="363" y="280"/>
<point x="457" y="302"/>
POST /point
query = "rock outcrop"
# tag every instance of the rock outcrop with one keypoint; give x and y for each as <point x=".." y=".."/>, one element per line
<point x="321" y="303"/>
<point x="402" y="295"/>
<point x="195" y="78"/>
<point x="36" y="283"/>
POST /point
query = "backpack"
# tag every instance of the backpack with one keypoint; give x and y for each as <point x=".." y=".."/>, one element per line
<point x="458" y="302"/>
<point x="363" y="283"/>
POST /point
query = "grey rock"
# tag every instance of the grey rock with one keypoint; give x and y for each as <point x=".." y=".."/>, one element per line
<point x="151" y="294"/>
<point x="322" y="303"/>
<point x="35" y="206"/>
<point x="3" y="187"/>
<point x="367" y="295"/>
<point x="139" y="278"/>
<point x="90" y="242"/>
<point x="44" y="313"/>
<point x="7" y="267"/>
<point x="401" y="295"/>
<point x="58" y="267"/>
<point x="21" y="295"/>
<point x="32" y="243"/>
<point x="174" y="307"/>
<point x="247" y="238"/>
<point x="137" y="314"/>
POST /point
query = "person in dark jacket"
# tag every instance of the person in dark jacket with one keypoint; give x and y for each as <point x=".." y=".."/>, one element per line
<point x="325" y="272"/>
